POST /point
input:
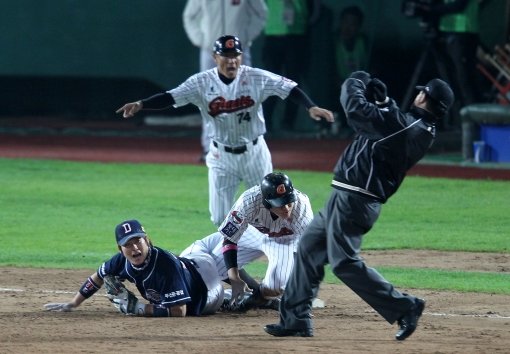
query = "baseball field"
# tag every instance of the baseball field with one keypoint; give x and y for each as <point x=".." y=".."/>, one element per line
<point x="443" y="237"/>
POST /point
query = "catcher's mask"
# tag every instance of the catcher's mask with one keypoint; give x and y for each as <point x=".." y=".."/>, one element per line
<point x="277" y="190"/>
<point x="228" y="46"/>
<point x="127" y="230"/>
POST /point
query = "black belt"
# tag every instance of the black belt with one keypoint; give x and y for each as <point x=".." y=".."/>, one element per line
<point x="236" y="149"/>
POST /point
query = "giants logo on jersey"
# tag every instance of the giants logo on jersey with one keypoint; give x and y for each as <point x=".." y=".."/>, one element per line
<point x="221" y="105"/>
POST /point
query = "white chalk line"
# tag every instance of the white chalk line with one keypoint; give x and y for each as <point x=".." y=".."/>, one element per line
<point x="438" y="314"/>
<point x="14" y="290"/>
<point x="485" y="315"/>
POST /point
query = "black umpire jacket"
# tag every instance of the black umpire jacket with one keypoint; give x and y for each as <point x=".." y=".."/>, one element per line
<point x="388" y="143"/>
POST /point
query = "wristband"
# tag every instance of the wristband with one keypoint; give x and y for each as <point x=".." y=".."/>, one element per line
<point x="88" y="288"/>
<point x="230" y="258"/>
<point x="158" y="311"/>
<point x="229" y="247"/>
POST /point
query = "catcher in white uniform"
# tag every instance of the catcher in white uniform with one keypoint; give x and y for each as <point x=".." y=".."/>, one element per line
<point x="266" y="220"/>
<point x="230" y="99"/>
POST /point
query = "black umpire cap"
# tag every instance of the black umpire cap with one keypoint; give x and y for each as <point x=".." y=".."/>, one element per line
<point x="228" y="45"/>
<point x="440" y="93"/>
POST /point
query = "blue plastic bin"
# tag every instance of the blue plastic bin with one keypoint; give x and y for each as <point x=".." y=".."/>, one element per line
<point x="497" y="139"/>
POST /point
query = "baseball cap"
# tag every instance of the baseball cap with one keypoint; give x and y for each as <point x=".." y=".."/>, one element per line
<point x="127" y="230"/>
<point x="228" y="45"/>
<point x="440" y="92"/>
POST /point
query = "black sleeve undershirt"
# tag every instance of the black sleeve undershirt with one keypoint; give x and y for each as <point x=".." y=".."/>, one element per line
<point x="298" y="96"/>
<point x="158" y="101"/>
<point x="164" y="100"/>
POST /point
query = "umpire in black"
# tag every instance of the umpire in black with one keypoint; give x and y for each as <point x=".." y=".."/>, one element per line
<point x="388" y="143"/>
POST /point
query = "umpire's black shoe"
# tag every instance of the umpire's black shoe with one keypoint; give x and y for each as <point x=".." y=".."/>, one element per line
<point x="408" y="323"/>
<point x="278" y="330"/>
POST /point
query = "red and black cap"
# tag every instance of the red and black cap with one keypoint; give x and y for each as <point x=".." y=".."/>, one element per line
<point x="228" y="45"/>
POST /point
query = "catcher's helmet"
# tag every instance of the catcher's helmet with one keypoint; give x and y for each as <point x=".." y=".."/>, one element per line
<point x="226" y="45"/>
<point x="277" y="190"/>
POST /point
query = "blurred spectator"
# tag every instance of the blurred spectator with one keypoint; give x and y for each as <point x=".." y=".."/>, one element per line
<point x="205" y="21"/>
<point x="458" y="40"/>
<point x="459" y="27"/>
<point x="351" y="54"/>
<point x="286" y="49"/>
<point x="351" y="43"/>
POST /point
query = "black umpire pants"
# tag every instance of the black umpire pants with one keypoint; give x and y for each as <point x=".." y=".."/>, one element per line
<point x="334" y="236"/>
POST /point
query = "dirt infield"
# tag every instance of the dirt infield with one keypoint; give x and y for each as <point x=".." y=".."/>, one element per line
<point x="452" y="322"/>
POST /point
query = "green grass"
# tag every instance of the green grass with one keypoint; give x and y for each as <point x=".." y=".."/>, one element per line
<point x="420" y="278"/>
<point x="62" y="214"/>
<point x="445" y="214"/>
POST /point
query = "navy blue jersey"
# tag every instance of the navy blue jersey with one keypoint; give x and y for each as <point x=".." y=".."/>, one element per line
<point x="165" y="280"/>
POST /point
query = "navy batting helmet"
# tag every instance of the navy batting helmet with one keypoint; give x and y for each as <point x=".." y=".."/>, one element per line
<point x="226" y="45"/>
<point x="277" y="190"/>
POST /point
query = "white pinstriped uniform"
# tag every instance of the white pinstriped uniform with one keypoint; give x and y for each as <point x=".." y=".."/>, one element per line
<point x="235" y="119"/>
<point x="259" y="234"/>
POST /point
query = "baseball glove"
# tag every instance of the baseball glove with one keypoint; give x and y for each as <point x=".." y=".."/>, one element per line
<point x="113" y="285"/>
<point x="250" y="300"/>
<point x="122" y="298"/>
